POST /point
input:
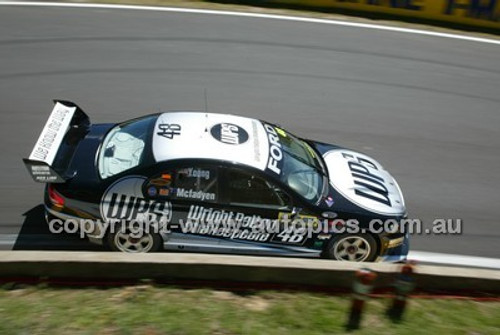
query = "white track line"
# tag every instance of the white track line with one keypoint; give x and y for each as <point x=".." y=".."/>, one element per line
<point x="7" y="241"/>
<point x="255" y="15"/>
<point x="458" y="260"/>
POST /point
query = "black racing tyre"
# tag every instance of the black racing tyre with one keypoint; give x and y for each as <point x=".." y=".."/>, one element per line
<point x="352" y="248"/>
<point x="125" y="239"/>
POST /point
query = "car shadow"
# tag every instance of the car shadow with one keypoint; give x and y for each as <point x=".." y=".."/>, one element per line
<point x="35" y="235"/>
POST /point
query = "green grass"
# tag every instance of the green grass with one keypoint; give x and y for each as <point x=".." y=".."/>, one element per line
<point x="164" y="310"/>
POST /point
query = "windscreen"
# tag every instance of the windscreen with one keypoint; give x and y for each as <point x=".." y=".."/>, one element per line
<point x="302" y="170"/>
<point x="123" y="147"/>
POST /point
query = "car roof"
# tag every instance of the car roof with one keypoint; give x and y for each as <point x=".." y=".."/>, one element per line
<point x="199" y="135"/>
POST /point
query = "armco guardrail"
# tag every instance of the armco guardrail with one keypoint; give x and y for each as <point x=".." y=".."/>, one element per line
<point x="238" y="269"/>
<point x="477" y="13"/>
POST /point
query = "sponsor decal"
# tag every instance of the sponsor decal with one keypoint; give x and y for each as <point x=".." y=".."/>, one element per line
<point x="364" y="181"/>
<point x="52" y="134"/>
<point x="164" y="192"/>
<point x="160" y="182"/>
<point x="329" y="201"/>
<point x="43" y="173"/>
<point x="219" y="216"/>
<point x="46" y="179"/>
<point x="256" y="142"/>
<point x="127" y="207"/>
<point x="236" y="225"/>
<point x="152" y="191"/>
<point x="280" y="131"/>
<point x="40" y="169"/>
<point x="367" y="179"/>
<point x="309" y="220"/>
<point x="229" y="224"/>
<point x="229" y="133"/>
<point x="275" y="161"/>
<point x="123" y="201"/>
<point x="192" y="194"/>
<point x="196" y="173"/>
<point x="296" y="233"/>
<point x="169" y="130"/>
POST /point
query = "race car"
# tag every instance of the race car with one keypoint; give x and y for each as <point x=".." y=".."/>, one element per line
<point x="206" y="182"/>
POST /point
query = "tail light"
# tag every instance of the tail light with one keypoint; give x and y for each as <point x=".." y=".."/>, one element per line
<point x="55" y="197"/>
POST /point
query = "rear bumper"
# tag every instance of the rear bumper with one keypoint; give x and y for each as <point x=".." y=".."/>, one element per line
<point x="91" y="230"/>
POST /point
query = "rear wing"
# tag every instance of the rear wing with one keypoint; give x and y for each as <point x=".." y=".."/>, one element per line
<point x="42" y="164"/>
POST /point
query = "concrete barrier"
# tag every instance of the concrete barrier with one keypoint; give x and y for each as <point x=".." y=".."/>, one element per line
<point x="225" y="268"/>
<point x="476" y="13"/>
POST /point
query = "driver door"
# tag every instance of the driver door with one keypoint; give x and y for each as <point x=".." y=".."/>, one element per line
<point x="259" y="207"/>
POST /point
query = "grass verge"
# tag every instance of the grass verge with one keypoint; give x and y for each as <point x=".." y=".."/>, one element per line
<point x="166" y="310"/>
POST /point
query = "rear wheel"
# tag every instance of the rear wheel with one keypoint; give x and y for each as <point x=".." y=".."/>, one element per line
<point x="352" y="248"/>
<point x="126" y="239"/>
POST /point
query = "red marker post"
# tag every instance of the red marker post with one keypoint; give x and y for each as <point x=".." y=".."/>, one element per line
<point x="403" y="286"/>
<point x="363" y="285"/>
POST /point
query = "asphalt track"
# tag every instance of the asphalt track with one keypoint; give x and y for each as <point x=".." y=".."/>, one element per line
<point x="427" y="107"/>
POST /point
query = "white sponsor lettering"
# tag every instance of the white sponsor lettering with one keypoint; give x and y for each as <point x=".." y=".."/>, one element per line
<point x="197" y="173"/>
<point x="39" y="168"/>
<point x="275" y="153"/>
<point x="124" y="201"/>
<point x="128" y="207"/>
<point x="191" y="194"/>
<point x="228" y="224"/>
<point x="229" y="133"/>
<point x="362" y="180"/>
<point x="52" y="134"/>
<point x="368" y="181"/>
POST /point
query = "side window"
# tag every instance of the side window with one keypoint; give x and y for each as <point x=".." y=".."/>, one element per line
<point x="189" y="183"/>
<point x="247" y="189"/>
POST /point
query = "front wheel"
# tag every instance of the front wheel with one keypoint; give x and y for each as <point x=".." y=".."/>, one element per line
<point x="126" y="239"/>
<point x="352" y="248"/>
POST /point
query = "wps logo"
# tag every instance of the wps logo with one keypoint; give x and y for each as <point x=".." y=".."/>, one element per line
<point x="124" y="201"/>
<point x="368" y="182"/>
<point x="363" y="181"/>
<point x="229" y="133"/>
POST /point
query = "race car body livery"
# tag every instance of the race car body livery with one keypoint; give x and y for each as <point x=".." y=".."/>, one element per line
<point x="215" y="183"/>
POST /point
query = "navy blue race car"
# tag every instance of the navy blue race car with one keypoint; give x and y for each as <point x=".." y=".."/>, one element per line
<point x="215" y="183"/>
